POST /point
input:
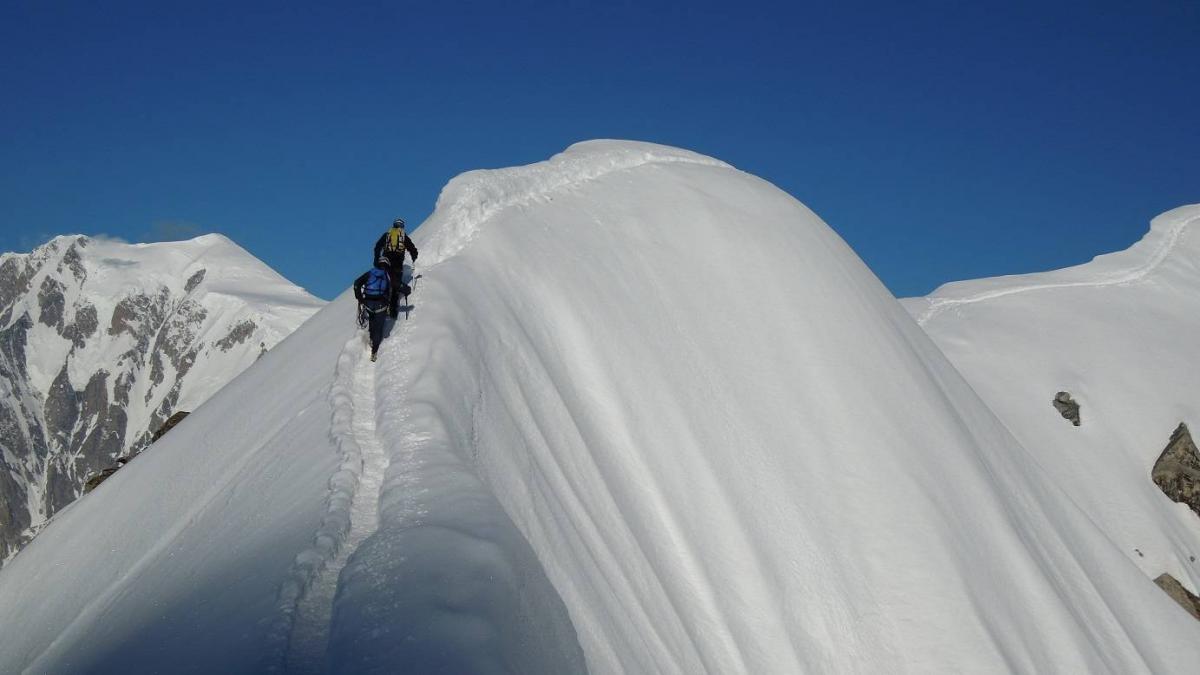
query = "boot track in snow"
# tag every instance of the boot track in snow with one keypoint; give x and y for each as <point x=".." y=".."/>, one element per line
<point x="306" y="599"/>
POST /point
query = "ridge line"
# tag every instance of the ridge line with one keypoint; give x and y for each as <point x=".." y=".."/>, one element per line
<point x="1135" y="273"/>
<point x="545" y="178"/>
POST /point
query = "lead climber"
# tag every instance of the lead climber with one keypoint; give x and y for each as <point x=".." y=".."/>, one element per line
<point x="392" y="245"/>
<point x="373" y="290"/>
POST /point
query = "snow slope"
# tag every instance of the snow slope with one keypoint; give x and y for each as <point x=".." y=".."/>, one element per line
<point x="775" y="472"/>
<point x="1119" y="333"/>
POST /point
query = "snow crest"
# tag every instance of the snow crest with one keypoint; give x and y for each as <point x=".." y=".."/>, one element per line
<point x="470" y="199"/>
<point x="1123" y="267"/>
<point x="603" y="460"/>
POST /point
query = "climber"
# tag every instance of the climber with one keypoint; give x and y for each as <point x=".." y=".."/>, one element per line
<point x="392" y="244"/>
<point x="373" y="290"/>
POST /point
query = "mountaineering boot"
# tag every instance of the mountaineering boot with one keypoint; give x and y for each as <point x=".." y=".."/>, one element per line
<point x="374" y="357"/>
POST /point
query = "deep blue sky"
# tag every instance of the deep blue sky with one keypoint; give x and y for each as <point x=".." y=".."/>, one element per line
<point x="942" y="140"/>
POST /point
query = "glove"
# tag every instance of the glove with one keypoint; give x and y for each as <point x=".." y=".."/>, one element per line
<point x="414" y="256"/>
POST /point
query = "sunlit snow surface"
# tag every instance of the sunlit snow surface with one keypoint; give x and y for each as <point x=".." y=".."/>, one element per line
<point x="1121" y="334"/>
<point x="718" y="437"/>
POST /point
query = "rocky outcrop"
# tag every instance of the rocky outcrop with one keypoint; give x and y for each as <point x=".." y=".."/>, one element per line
<point x="168" y="425"/>
<point x="1175" y="590"/>
<point x="1177" y="471"/>
<point x="1067" y="407"/>
<point x="95" y="479"/>
<point x="194" y="280"/>
<point x="237" y="335"/>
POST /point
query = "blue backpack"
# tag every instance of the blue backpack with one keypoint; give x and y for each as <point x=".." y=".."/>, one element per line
<point x="377" y="285"/>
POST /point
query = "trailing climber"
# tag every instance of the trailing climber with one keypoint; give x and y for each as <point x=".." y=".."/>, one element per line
<point x="392" y="245"/>
<point x="374" y="293"/>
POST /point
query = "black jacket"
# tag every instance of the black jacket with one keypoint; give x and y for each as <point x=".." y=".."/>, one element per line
<point x="408" y="244"/>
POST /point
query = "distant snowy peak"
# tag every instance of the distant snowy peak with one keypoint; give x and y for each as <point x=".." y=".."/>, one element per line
<point x="1167" y="236"/>
<point x="103" y="340"/>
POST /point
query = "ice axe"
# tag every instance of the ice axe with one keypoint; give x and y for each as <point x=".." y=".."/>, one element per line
<point x="411" y="287"/>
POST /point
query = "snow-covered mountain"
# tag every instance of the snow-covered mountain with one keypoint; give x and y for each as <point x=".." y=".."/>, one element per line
<point x="1120" y="334"/>
<point x="585" y="451"/>
<point x="101" y="341"/>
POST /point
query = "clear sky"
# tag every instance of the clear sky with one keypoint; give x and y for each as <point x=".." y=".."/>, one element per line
<point x="942" y="140"/>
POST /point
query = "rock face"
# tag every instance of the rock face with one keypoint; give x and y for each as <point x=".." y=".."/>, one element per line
<point x="96" y="478"/>
<point x="169" y="425"/>
<point x="1067" y="407"/>
<point x="102" y="342"/>
<point x="1181" y="595"/>
<point x="1177" y="471"/>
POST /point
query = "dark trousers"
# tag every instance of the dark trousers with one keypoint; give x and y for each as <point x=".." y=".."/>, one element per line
<point x="396" y="276"/>
<point x="376" y="321"/>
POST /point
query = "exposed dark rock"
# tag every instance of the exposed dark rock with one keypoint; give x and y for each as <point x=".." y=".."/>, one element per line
<point x="61" y="488"/>
<point x="166" y="407"/>
<point x="1175" y="590"/>
<point x="169" y="425"/>
<point x="140" y="316"/>
<point x="98" y="477"/>
<point x="61" y="409"/>
<point x="51" y="302"/>
<point x="175" y="342"/>
<point x="121" y="388"/>
<point x="13" y="520"/>
<point x="100" y="434"/>
<point x="15" y="274"/>
<point x="1177" y="471"/>
<point x="83" y="327"/>
<point x="237" y="335"/>
<point x="1067" y="407"/>
<point x="13" y="341"/>
<point x="72" y="262"/>
<point x="194" y="281"/>
<point x="22" y="438"/>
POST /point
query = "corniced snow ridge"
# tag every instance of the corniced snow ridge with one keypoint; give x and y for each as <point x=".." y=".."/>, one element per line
<point x="599" y="454"/>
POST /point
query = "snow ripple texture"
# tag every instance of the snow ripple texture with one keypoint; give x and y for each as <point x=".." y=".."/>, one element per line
<point x="1123" y="267"/>
<point x="472" y="198"/>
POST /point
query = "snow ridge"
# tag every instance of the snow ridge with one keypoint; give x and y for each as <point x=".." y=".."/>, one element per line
<point x="343" y="486"/>
<point x="1172" y="226"/>
<point x="472" y="198"/>
<point x="445" y="582"/>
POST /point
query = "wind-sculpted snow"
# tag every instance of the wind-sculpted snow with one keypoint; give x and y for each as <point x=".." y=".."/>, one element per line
<point x="446" y="584"/>
<point x="472" y="198"/>
<point x="1119" y="334"/>
<point x="1113" y="269"/>
<point x="773" y="471"/>
<point x="602" y="452"/>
